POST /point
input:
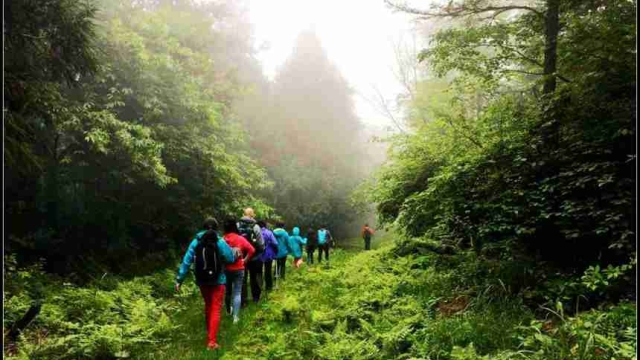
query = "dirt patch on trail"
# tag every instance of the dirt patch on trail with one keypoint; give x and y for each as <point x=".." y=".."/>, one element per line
<point x="453" y="306"/>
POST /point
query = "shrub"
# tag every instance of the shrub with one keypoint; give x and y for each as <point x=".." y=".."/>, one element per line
<point x="108" y="319"/>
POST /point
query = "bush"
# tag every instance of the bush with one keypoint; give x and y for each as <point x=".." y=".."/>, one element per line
<point x="111" y="318"/>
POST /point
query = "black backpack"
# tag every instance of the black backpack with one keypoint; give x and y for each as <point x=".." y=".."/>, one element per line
<point x="245" y="228"/>
<point x="208" y="262"/>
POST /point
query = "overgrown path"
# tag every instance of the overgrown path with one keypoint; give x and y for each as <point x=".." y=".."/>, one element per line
<point x="263" y="323"/>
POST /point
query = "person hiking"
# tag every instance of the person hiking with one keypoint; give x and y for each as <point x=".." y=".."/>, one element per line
<point x="367" y="232"/>
<point x="210" y="253"/>
<point x="295" y="244"/>
<point x="250" y="230"/>
<point x="269" y="254"/>
<point x="312" y="244"/>
<point x="324" y="239"/>
<point x="243" y="252"/>
<point x="283" y="249"/>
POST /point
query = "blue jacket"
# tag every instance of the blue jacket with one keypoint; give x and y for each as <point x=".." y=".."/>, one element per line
<point x="295" y="243"/>
<point x="225" y="253"/>
<point x="322" y="236"/>
<point x="283" y="242"/>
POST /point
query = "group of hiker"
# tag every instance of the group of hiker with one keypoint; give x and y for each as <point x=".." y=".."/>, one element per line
<point x="244" y="253"/>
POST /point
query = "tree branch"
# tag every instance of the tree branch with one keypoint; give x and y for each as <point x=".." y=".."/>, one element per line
<point x="449" y="11"/>
<point x="538" y="74"/>
<point x="463" y="133"/>
<point x="382" y="107"/>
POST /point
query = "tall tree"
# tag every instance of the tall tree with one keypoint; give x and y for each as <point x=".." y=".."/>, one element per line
<point x="310" y="139"/>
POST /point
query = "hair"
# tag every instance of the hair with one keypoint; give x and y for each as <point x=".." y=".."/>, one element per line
<point x="365" y="224"/>
<point x="249" y="212"/>
<point x="261" y="223"/>
<point x="230" y="225"/>
<point x="209" y="235"/>
<point x="280" y="224"/>
<point x="210" y="223"/>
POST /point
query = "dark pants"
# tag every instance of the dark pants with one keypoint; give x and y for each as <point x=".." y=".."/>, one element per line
<point x="280" y="268"/>
<point x="325" y="248"/>
<point x="310" y="251"/>
<point x="254" y="274"/>
<point x="367" y="244"/>
<point x="268" y="274"/>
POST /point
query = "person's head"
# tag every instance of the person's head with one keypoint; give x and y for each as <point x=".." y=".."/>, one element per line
<point x="249" y="212"/>
<point x="262" y="224"/>
<point x="210" y="236"/>
<point x="230" y="225"/>
<point x="366" y="225"/>
<point x="210" y="224"/>
<point x="280" y="224"/>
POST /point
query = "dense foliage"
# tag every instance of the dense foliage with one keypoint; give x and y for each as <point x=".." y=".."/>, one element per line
<point x="105" y="319"/>
<point x="129" y="153"/>
<point x="502" y="164"/>
<point x="127" y="124"/>
<point x="129" y="121"/>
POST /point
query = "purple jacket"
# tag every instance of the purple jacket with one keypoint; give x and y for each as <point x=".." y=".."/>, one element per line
<point x="270" y="245"/>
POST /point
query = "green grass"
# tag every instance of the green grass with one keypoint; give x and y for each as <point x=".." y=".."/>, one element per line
<point x="363" y="305"/>
<point x="190" y="338"/>
<point x="189" y="341"/>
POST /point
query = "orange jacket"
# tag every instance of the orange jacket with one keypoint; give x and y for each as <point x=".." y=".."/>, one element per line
<point x="366" y="229"/>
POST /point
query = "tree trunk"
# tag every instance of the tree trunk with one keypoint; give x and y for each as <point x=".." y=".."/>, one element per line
<point x="551" y="125"/>
<point x="552" y="28"/>
<point x="17" y="327"/>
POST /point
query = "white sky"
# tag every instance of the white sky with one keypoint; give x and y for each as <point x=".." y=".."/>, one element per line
<point x="356" y="34"/>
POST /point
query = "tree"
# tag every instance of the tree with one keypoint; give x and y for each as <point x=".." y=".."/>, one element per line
<point x="139" y="150"/>
<point x="543" y="170"/>
<point x="308" y="137"/>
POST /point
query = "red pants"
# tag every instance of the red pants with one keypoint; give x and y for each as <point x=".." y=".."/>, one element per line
<point x="213" y="296"/>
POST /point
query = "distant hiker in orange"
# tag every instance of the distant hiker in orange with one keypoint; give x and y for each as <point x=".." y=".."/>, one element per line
<point x="367" y="232"/>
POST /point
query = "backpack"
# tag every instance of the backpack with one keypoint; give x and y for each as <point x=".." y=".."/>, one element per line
<point x="330" y="240"/>
<point x="208" y="262"/>
<point x="245" y="229"/>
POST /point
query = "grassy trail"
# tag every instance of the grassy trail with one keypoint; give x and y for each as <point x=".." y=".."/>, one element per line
<point x="189" y="340"/>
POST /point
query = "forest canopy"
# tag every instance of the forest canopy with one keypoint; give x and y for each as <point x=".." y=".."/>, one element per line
<point x="128" y="122"/>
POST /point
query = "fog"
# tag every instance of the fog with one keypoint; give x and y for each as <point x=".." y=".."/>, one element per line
<point x="359" y="37"/>
<point x="197" y="108"/>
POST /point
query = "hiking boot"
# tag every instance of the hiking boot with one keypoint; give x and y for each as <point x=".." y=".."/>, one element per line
<point x="213" y="346"/>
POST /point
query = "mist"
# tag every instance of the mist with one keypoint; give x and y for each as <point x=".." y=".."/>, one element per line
<point x="490" y="144"/>
<point x="171" y="111"/>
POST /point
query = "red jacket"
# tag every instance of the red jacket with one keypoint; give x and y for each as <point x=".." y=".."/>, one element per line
<point x="236" y="241"/>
